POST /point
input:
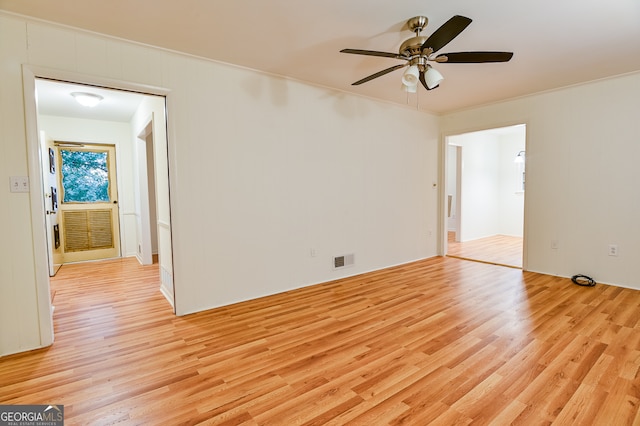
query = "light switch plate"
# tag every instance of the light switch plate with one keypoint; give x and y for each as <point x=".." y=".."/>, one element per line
<point x="19" y="183"/>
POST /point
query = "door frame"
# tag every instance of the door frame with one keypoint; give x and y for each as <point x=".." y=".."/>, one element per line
<point x="38" y="222"/>
<point x="458" y="198"/>
<point x="146" y="193"/>
<point x="444" y="168"/>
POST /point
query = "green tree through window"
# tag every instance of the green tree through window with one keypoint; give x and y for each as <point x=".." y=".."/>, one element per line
<point x="85" y="176"/>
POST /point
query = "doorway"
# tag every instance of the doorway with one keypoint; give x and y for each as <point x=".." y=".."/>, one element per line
<point x="133" y="202"/>
<point x="52" y="112"/>
<point x="484" y="196"/>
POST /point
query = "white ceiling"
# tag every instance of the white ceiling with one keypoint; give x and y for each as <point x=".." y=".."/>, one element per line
<point x="555" y="43"/>
<point x="54" y="98"/>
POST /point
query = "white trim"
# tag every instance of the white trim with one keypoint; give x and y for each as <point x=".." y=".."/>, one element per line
<point x="167" y="295"/>
<point x="92" y="80"/>
<point x="141" y="179"/>
<point x="41" y="259"/>
<point x="166" y="279"/>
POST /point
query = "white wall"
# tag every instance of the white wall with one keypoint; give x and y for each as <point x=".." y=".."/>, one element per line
<point x="582" y="150"/>
<point x="479" y="187"/>
<point x="510" y="197"/>
<point x="269" y="169"/>
<point x="451" y="187"/>
<point x="263" y="170"/>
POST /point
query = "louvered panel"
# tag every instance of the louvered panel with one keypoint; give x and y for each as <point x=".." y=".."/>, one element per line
<point x="100" y="229"/>
<point x="76" y="231"/>
<point x="87" y="230"/>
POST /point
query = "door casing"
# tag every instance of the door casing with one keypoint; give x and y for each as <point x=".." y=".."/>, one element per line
<point x="38" y="208"/>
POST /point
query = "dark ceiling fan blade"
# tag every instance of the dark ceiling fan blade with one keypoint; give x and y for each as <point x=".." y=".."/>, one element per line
<point x="447" y="32"/>
<point x="378" y="74"/>
<point x="474" y="57"/>
<point x="374" y="53"/>
<point x="424" y="82"/>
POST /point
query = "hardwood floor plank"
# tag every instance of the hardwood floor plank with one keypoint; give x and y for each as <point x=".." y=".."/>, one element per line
<point x="621" y="404"/>
<point x="439" y="341"/>
<point x="583" y="407"/>
<point x="507" y="416"/>
<point x="496" y="249"/>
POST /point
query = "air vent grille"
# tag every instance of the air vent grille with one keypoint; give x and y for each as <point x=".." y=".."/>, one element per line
<point x="343" y="260"/>
<point x="87" y="230"/>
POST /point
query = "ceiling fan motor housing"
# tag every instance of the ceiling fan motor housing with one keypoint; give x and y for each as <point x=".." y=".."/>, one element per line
<point x="412" y="46"/>
<point x="417" y="24"/>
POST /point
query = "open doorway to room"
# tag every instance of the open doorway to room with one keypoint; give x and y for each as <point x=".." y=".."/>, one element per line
<point x="484" y="196"/>
<point x="125" y="136"/>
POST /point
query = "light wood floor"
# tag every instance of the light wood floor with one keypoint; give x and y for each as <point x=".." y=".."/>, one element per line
<point x="441" y="341"/>
<point x="498" y="249"/>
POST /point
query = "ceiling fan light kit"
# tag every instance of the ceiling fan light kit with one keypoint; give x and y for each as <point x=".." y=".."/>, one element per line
<point x="410" y="89"/>
<point x="418" y="51"/>
<point x="432" y="77"/>
<point x="411" y="76"/>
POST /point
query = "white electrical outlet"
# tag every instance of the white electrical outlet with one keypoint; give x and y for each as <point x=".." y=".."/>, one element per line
<point x="19" y="183"/>
<point x="613" y="249"/>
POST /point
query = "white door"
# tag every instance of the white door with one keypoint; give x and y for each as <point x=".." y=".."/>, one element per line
<point x="88" y="202"/>
<point x="50" y="191"/>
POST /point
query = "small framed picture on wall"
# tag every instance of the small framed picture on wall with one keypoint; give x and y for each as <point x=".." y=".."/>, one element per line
<point x="54" y="199"/>
<point x="52" y="161"/>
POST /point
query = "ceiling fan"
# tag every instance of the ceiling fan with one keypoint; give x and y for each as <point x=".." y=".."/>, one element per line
<point x="418" y="51"/>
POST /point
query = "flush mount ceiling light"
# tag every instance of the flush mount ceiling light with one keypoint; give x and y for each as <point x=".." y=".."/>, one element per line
<point x="87" y="99"/>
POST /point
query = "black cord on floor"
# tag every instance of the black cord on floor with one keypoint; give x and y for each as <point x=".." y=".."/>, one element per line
<point x="583" y="280"/>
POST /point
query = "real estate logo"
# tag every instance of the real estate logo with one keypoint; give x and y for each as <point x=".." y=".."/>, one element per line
<point x="31" y="415"/>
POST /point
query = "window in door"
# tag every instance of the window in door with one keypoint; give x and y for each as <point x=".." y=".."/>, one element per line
<point x="85" y="176"/>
